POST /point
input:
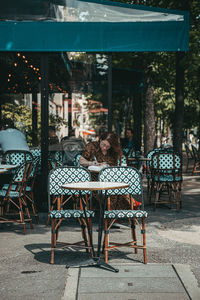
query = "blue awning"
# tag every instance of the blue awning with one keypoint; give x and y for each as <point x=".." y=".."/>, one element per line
<point x="91" y="26"/>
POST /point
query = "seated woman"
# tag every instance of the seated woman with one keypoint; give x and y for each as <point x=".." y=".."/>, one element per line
<point x="106" y="151"/>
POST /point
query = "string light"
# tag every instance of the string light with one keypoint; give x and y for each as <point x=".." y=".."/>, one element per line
<point x="36" y="71"/>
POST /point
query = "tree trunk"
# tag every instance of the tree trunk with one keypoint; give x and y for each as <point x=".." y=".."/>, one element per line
<point x="149" y="114"/>
<point x="179" y="109"/>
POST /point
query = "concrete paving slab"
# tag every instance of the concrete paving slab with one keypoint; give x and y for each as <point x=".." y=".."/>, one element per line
<point x="134" y="296"/>
<point x="189" y="281"/>
<point x="133" y="271"/>
<point x="130" y="285"/>
<point x="140" y="282"/>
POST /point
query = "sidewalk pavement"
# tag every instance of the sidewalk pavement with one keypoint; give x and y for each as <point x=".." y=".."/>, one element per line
<point x="172" y="272"/>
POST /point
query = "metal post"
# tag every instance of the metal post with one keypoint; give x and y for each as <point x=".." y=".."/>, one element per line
<point x="109" y="92"/>
<point x="44" y="127"/>
<point x="34" y="119"/>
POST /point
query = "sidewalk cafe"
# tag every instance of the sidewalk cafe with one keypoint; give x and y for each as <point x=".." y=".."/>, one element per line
<point x="48" y="29"/>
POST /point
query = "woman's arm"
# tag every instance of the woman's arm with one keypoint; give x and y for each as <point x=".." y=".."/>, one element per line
<point x="86" y="163"/>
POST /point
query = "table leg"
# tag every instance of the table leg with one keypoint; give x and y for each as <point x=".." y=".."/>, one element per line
<point x="89" y="229"/>
<point x="100" y="263"/>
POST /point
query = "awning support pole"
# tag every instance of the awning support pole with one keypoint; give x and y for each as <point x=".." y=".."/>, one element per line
<point x="109" y="92"/>
<point x="44" y="127"/>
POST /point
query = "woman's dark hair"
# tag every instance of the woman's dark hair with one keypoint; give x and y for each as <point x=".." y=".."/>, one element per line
<point x="113" y="139"/>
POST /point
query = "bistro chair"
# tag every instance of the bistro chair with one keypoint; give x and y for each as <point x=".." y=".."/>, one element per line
<point x="29" y="189"/>
<point x="130" y="155"/>
<point x="122" y="161"/>
<point x="196" y="155"/>
<point x="149" y="173"/>
<point x="135" y="216"/>
<point x="57" y="156"/>
<point x="167" y="178"/>
<point x="54" y="158"/>
<point x="76" y="160"/>
<point x="58" y="200"/>
<point x="17" y="157"/>
<point x="36" y="152"/>
<point x="149" y="169"/>
<point x="12" y="194"/>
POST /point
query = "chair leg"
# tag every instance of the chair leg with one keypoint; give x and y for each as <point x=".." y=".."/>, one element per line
<point x="170" y="196"/>
<point x="133" y="232"/>
<point x="21" y="214"/>
<point x="89" y="244"/>
<point x="51" y="208"/>
<point x="57" y="226"/>
<point x="53" y="240"/>
<point x="30" y="198"/>
<point x="28" y="213"/>
<point x="151" y="188"/>
<point x="156" y="196"/>
<point x="83" y="230"/>
<point x="144" y="241"/>
<point x="106" y="240"/>
<point x="148" y="192"/>
<point x="179" y="195"/>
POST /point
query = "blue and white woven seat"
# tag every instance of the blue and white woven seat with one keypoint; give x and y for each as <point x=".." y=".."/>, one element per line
<point x="121" y="214"/>
<point x="70" y="213"/>
<point x="12" y="194"/>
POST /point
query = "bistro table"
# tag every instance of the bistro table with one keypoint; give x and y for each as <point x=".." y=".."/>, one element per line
<point x="2" y="171"/>
<point x="5" y="173"/>
<point x="100" y="187"/>
<point x="8" y="166"/>
<point x="138" y="160"/>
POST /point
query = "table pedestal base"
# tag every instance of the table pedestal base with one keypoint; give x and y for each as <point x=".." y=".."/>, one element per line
<point x="95" y="262"/>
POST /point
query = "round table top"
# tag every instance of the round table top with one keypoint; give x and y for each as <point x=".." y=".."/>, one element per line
<point x="139" y="158"/>
<point x="95" y="185"/>
<point x="2" y="166"/>
<point x="95" y="169"/>
<point x="3" y="171"/>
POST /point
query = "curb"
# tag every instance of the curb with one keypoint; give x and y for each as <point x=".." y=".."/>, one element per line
<point x="71" y="284"/>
